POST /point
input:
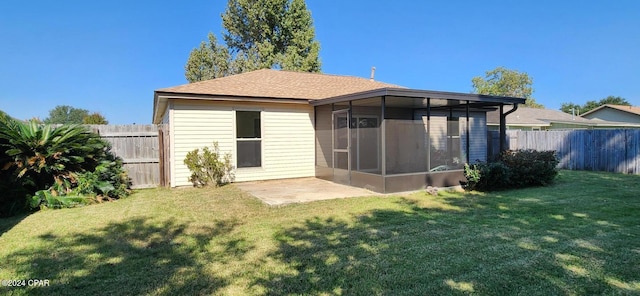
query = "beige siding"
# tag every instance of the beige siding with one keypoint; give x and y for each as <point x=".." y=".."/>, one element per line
<point x="287" y="137"/>
<point x="324" y="142"/>
<point x="172" y="150"/>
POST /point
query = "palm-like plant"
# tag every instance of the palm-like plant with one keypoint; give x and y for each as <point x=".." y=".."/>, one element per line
<point x="42" y="157"/>
<point x="44" y="154"/>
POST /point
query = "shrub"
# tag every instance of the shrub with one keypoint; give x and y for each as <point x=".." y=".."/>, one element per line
<point x="486" y="176"/>
<point x="514" y="169"/>
<point x="531" y="167"/>
<point x="41" y="163"/>
<point x="209" y="167"/>
<point x="48" y="199"/>
<point x="108" y="181"/>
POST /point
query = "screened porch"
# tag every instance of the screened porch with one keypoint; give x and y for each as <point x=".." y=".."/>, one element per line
<point x="396" y="140"/>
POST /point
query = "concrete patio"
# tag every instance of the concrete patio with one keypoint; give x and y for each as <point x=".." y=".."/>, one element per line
<point x="287" y="191"/>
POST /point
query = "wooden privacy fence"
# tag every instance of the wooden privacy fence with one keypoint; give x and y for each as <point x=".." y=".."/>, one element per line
<point x="142" y="149"/>
<point x="610" y="150"/>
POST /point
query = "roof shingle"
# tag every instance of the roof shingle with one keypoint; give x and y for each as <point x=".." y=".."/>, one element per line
<point x="268" y="83"/>
<point x="535" y="116"/>
<point x="630" y="109"/>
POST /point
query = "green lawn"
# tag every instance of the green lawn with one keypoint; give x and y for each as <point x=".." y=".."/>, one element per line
<point x="580" y="236"/>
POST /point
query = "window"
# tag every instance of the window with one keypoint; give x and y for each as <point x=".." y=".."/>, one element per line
<point x="248" y="139"/>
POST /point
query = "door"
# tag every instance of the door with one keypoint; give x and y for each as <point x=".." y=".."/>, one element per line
<point x="341" y="145"/>
<point x="365" y="143"/>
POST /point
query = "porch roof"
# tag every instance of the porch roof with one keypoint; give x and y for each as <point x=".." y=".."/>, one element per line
<point x="404" y="97"/>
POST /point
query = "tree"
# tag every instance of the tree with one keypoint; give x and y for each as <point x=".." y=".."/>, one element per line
<point x="258" y="34"/>
<point x="590" y="105"/>
<point x="611" y="100"/>
<point x="63" y="114"/>
<point x="570" y="108"/>
<point x="508" y="83"/>
<point x="210" y="60"/>
<point x="302" y="51"/>
<point x="94" y="118"/>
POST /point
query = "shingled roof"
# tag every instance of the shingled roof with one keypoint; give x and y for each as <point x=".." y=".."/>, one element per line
<point x="629" y="109"/>
<point x="268" y="83"/>
<point x="536" y="117"/>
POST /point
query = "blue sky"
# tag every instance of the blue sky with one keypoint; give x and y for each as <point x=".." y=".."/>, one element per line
<point x="109" y="56"/>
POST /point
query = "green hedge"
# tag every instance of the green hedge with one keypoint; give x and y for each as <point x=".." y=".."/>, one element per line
<point x="513" y="169"/>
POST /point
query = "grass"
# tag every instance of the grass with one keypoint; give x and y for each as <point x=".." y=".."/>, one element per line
<point x="580" y="236"/>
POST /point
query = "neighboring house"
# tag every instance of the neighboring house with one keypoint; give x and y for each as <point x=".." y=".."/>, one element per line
<point x="618" y="113"/>
<point x="528" y="119"/>
<point x="354" y="131"/>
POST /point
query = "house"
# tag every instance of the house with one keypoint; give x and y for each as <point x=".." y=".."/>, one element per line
<point x="349" y="130"/>
<point x="618" y="113"/>
<point x="527" y="119"/>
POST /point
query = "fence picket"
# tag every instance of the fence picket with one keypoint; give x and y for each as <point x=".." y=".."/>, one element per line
<point x="139" y="147"/>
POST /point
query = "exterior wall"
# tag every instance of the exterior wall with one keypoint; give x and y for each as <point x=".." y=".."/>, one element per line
<point x="287" y="137"/>
<point x="609" y="114"/>
<point x="477" y="132"/>
<point x="165" y="117"/>
<point x="168" y="164"/>
<point x="519" y="128"/>
<point x="565" y="126"/>
<point x="477" y="136"/>
<point x="406" y="147"/>
<point x="172" y="146"/>
<point x="324" y="143"/>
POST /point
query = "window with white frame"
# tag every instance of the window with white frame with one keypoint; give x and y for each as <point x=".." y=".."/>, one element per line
<point x="248" y="139"/>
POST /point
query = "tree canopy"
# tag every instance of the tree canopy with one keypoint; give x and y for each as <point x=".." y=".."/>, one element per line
<point x="94" y="118"/>
<point x="258" y="34"/>
<point x="210" y="60"/>
<point x="590" y="105"/>
<point x="63" y="114"/>
<point x="508" y="83"/>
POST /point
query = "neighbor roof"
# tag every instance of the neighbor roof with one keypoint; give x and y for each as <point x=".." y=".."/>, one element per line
<point x="536" y="117"/>
<point x="268" y="83"/>
<point x="525" y="116"/>
<point x="629" y="109"/>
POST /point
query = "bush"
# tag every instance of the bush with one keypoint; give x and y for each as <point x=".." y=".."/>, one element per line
<point x="530" y="167"/>
<point x="486" y="176"/>
<point x="514" y="169"/>
<point x="108" y="181"/>
<point x="209" y="167"/>
<point x="44" y="166"/>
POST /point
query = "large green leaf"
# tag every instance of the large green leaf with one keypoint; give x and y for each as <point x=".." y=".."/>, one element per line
<point x="104" y="187"/>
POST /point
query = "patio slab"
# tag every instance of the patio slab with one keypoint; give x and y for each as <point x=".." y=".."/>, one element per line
<point x="287" y="191"/>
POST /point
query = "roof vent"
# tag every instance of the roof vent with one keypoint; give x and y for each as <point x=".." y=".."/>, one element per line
<point x="373" y="73"/>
